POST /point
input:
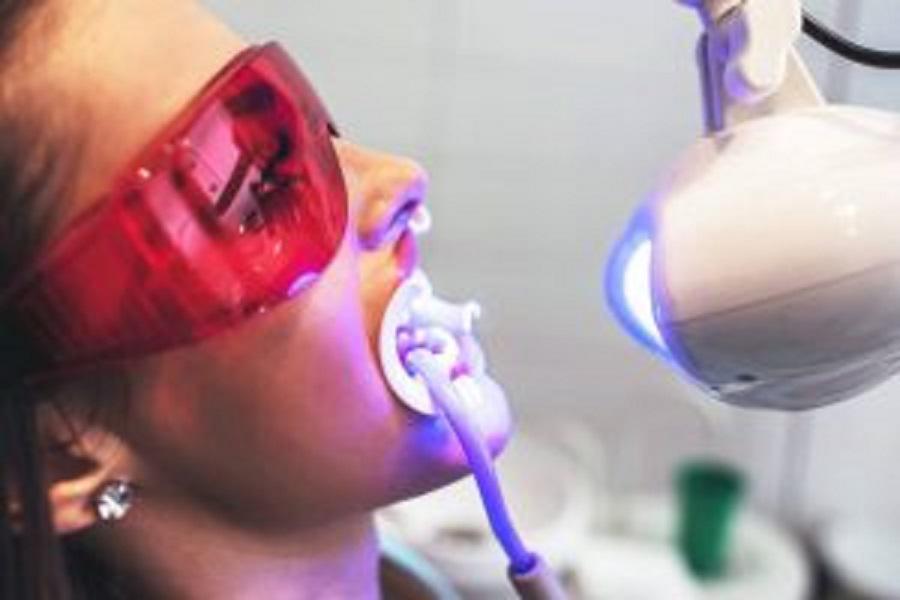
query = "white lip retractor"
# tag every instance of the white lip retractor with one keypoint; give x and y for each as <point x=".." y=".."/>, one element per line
<point x="415" y="318"/>
<point x="432" y="363"/>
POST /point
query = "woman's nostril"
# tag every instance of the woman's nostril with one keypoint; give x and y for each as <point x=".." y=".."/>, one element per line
<point x="406" y="212"/>
<point x="393" y="224"/>
<point x="390" y="191"/>
<point x="404" y="216"/>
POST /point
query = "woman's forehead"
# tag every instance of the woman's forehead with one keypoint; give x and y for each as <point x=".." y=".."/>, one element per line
<point x="123" y="69"/>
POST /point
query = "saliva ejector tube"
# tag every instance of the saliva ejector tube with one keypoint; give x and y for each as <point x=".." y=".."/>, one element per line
<point x="426" y="363"/>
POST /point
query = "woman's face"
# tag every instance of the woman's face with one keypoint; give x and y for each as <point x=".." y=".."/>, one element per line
<point x="286" y="419"/>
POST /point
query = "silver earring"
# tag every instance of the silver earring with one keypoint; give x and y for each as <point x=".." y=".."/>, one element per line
<point x="114" y="501"/>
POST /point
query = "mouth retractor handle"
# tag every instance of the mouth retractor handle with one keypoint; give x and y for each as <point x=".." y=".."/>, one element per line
<point x="528" y="572"/>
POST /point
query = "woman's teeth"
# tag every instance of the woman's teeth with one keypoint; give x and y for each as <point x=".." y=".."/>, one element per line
<point x="440" y="327"/>
<point x="436" y="340"/>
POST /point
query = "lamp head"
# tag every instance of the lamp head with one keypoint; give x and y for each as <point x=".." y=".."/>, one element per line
<point x="766" y="266"/>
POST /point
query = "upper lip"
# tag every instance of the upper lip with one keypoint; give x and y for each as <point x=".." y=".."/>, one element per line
<point x="397" y="236"/>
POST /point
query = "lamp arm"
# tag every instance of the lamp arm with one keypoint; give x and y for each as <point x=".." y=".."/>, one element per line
<point x="748" y="62"/>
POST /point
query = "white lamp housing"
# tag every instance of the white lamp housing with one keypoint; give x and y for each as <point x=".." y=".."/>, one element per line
<point x="766" y="265"/>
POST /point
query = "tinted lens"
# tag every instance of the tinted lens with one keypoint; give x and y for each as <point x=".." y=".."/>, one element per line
<point x="264" y="201"/>
<point x="238" y="206"/>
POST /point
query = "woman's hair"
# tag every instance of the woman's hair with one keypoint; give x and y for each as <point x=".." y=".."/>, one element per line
<point x="33" y="180"/>
<point x="30" y="564"/>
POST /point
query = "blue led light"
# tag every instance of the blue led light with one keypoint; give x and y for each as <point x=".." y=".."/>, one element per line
<point x="629" y="290"/>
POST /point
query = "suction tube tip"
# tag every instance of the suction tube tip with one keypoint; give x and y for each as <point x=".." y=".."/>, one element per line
<point x="537" y="582"/>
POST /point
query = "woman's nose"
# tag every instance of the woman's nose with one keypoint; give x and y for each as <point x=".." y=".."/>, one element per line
<point x="385" y="193"/>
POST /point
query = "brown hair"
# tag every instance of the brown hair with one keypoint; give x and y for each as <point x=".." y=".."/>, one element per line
<point x="33" y="565"/>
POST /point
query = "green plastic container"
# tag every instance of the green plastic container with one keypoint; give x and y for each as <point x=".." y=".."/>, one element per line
<point x="709" y="495"/>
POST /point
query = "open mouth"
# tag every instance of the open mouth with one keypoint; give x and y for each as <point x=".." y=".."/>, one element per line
<point x="442" y="328"/>
<point x="416" y="319"/>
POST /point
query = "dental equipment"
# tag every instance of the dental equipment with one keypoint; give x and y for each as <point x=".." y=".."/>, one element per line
<point x="429" y="371"/>
<point x="766" y="265"/>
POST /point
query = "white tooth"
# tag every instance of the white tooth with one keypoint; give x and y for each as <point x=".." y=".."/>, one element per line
<point x="457" y="318"/>
<point x="444" y="347"/>
<point x="420" y="222"/>
<point x="419" y="337"/>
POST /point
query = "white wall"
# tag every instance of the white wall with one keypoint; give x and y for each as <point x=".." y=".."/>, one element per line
<point x="542" y="123"/>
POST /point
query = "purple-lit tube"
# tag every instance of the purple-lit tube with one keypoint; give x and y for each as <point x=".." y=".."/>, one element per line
<point x="451" y="405"/>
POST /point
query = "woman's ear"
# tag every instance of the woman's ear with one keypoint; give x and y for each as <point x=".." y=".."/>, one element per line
<point x="79" y="458"/>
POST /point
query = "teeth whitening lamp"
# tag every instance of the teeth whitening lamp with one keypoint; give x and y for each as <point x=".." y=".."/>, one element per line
<point x="765" y="265"/>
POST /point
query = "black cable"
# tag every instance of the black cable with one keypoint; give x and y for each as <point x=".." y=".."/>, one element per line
<point x="849" y="49"/>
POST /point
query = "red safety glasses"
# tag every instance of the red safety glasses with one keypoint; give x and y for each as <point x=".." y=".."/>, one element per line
<point x="237" y="206"/>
